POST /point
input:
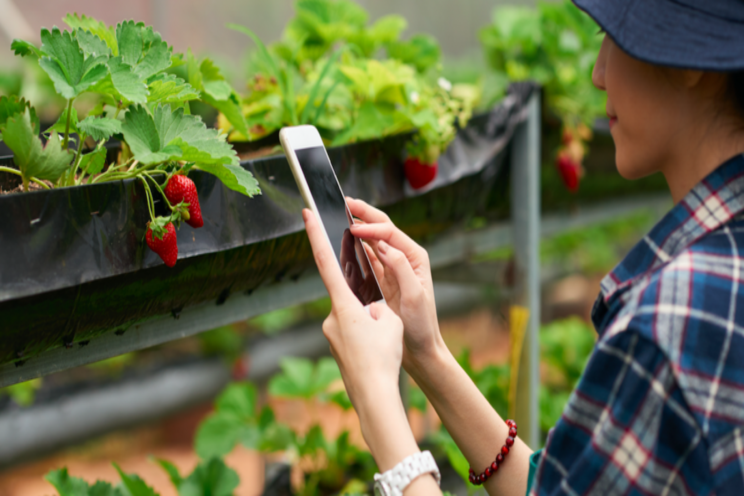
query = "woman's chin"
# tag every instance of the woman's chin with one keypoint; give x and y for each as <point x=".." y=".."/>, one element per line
<point x="632" y="169"/>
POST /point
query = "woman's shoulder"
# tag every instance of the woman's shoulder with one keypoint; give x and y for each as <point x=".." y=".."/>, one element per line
<point x="692" y="309"/>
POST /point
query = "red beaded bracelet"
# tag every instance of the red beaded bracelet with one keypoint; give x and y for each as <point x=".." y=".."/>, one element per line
<point x="494" y="467"/>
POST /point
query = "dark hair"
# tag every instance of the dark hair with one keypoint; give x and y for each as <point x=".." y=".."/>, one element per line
<point x="736" y="90"/>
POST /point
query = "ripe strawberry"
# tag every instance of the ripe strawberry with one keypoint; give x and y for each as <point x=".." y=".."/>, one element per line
<point x="182" y="189"/>
<point x="418" y="173"/>
<point x="570" y="172"/>
<point x="163" y="242"/>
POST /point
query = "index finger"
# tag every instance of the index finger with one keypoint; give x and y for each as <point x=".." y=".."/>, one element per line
<point x="365" y="211"/>
<point x="328" y="266"/>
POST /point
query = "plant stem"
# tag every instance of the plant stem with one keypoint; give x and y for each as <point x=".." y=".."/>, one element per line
<point x="147" y="174"/>
<point x="78" y="157"/>
<point x="25" y="181"/>
<point x="150" y="201"/>
<point x="67" y="125"/>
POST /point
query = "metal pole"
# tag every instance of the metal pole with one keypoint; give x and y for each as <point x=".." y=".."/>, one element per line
<point x="525" y="205"/>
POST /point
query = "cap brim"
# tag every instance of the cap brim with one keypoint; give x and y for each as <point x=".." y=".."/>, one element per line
<point x="664" y="32"/>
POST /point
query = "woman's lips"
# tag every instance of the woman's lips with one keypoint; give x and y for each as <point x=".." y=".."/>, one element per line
<point x="613" y="121"/>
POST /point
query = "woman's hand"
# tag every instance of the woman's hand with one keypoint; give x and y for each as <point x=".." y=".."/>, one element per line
<point x="402" y="268"/>
<point x="368" y="348"/>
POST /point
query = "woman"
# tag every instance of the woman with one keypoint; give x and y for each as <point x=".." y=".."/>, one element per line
<point x="660" y="407"/>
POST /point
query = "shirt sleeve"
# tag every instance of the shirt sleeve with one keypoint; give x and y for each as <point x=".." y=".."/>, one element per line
<point x="626" y="429"/>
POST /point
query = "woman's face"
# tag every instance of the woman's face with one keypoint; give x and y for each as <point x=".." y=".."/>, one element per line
<point x="643" y="105"/>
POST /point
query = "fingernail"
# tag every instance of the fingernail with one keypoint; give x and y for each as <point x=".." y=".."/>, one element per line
<point x="382" y="246"/>
<point x="348" y="269"/>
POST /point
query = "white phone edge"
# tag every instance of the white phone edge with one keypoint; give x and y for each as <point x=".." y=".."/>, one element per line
<point x="305" y="136"/>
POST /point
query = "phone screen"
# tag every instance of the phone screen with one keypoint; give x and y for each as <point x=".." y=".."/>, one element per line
<point x="336" y="218"/>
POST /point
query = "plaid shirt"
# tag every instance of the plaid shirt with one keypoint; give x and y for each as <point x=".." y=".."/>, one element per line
<point x="660" y="407"/>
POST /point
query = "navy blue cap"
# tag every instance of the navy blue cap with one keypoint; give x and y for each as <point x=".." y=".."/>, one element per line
<point x="689" y="34"/>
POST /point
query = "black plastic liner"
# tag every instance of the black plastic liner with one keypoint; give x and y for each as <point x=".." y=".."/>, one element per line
<point x="74" y="264"/>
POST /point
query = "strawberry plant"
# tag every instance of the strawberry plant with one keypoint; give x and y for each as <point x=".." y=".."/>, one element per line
<point x="139" y="103"/>
<point x="326" y="71"/>
<point x="556" y="45"/>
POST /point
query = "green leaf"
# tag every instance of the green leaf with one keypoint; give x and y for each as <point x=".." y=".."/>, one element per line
<point x="134" y="484"/>
<point x="91" y="43"/>
<point x="101" y="488"/>
<point x="212" y="478"/>
<point x="11" y="105"/>
<point x="173" y="474"/>
<point x="24" y="48"/>
<point x="92" y="163"/>
<point x="61" y="123"/>
<point x="98" y="28"/>
<point x="142" y="49"/>
<point x="295" y="381"/>
<point x="238" y="399"/>
<point x="30" y="156"/>
<point x="168" y="88"/>
<point x="69" y="69"/>
<point x="326" y="372"/>
<point x="100" y="128"/>
<point x="234" y="177"/>
<point x="169" y="135"/>
<point x="217" y="435"/>
<point x="421" y="51"/>
<point x="125" y="82"/>
<point x="66" y="485"/>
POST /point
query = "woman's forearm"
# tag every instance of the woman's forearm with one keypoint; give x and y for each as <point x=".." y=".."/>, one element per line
<point x="475" y="426"/>
<point x="388" y="434"/>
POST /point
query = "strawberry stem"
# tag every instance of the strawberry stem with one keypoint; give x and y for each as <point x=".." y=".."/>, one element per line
<point x="25" y="181"/>
<point x="65" y="142"/>
<point x="150" y="201"/>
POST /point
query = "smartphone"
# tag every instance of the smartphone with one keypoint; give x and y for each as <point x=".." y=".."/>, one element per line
<point x="322" y="193"/>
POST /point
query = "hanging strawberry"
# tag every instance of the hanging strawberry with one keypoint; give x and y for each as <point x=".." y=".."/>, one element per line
<point x="571" y="155"/>
<point x="418" y="173"/>
<point x="162" y="240"/>
<point x="181" y="189"/>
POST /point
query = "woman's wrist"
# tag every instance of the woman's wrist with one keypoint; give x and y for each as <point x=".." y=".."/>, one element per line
<point x="420" y="366"/>
<point x="384" y="424"/>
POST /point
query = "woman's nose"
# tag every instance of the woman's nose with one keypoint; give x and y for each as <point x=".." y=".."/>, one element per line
<point x="598" y="74"/>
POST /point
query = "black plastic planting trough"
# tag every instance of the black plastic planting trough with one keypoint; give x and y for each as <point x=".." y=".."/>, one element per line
<point x="73" y="262"/>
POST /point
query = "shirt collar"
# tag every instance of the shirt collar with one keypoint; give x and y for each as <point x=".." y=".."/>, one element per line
<point x="713" y="202"/>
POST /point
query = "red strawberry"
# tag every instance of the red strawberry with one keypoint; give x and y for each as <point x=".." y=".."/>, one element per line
<point x="418" y="173"/>
<point x="570" y="172"/>
<point x="166" y="245"/>
<point x="182" y="189"/>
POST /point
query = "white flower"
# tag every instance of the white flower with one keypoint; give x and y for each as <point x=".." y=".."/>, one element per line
<point x="444" y="84"/>
<point x="414" y="97"/>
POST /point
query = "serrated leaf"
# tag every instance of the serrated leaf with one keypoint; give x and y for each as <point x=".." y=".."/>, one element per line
<point x="296" y="379"/>
<point x="134" y="484"/>
<point x="212" y="478"/>
<point x="213" y="81"/>
<point x="326" y="372"/>
<point x="30" y="156"/>
<point x="92" y="163"/>
<point x="169" y="135"/>
<point x="100" y="128"/>
<point x="126" y="82"/>
<point x="69" y="69"/>
<point x="168" y="88"/>
<point x="12" y="105"/>
<point x="142" y="49"/>
<point x="91" y="43"/>
<point x="61" y="123"/>
<point x="234" y="177"/>
<point x="24" y="48"/>
<point x="67" y="485"/>
<point x="98" y="28"/>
